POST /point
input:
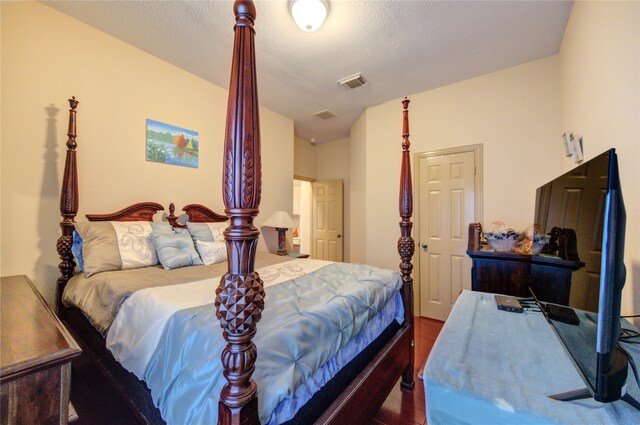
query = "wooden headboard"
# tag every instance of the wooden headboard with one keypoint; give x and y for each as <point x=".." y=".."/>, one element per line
<point x="143" y="211"/>
<point x="196" y="213"/>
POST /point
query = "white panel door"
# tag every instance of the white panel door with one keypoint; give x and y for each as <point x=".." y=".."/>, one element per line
<point x="326" y="219"/>
<point x="446" y="200"/>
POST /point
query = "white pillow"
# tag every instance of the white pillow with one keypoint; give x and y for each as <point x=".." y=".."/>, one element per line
<point x="211" y="252"/>
<point x="217" y="230"/>
<point x="134" y="243"/>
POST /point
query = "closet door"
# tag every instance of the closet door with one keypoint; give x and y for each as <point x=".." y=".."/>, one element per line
<point x="446" y="207"/>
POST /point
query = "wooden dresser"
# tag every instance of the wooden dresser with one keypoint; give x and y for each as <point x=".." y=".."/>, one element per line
<point x="512" y="274"/>
<point x="35" y="357"/>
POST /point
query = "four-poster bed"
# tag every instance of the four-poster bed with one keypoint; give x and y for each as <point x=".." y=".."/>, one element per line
<point x="357" y="391"/>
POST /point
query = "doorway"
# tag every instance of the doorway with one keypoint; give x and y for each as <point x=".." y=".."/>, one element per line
<point x="449" y="192"/>
<point x="301" y="233"/>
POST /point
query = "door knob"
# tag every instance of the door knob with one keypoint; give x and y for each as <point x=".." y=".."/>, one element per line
<point x="339" y="236"/>
<point x="425" y="246"/>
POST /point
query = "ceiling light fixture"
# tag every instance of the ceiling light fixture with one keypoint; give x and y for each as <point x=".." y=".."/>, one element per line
<point x="309" y="14"/>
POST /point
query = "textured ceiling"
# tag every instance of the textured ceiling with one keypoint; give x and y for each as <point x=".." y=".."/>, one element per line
<point x="401" y="47"/>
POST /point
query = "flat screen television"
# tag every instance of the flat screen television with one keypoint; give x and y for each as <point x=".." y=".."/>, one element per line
<point x="588" y="200"/>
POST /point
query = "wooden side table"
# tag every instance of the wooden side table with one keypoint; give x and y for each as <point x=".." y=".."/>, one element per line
<point x="35" y="357"/>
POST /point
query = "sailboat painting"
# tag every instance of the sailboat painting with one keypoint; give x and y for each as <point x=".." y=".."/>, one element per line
<point x="172" y="145"/>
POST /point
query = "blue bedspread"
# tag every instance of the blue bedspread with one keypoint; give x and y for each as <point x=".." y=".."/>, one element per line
<point x="306" y="321"/>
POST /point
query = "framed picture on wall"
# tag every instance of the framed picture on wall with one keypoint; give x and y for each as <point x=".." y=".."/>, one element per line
<point x="169" y="144"/>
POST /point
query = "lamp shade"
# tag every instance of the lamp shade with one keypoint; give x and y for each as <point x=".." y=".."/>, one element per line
<point x="280" y="219"/>
<point x="309" y="14"/>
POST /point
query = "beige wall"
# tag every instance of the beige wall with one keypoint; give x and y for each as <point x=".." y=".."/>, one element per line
<point x="358" y="164"/>
<point x="591" y="88"/>
<point x="513" y="113"/>
<point x="304" y="162"/>
<point x="600" y="80"/>
<point x="333" y="161"/>
<point x="47" y="57"/>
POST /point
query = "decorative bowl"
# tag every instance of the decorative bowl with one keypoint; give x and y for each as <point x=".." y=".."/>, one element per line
<point x="538" y="242"/>
<point x="502" y="241"/>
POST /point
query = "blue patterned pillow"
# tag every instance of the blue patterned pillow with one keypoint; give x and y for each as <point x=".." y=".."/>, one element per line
<point x="175" y="250"/>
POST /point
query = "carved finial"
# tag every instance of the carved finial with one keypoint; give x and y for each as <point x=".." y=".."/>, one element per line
<point x="71" y="142"/>
<point x="245" y="12"/>
<point x="405" y="124"/>
<point x="73" y="102"/>
<point x="172" y="208"/>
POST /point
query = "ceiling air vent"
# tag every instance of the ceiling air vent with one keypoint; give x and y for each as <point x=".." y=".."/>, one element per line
<point x="325" y="115"/>
<point x="353" y="81"/>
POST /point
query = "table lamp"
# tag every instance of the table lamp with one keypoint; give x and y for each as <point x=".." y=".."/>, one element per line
<point x="281" y="220"/>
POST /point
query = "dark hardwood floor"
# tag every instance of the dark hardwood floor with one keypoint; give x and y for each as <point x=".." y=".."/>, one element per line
<point x="408" y="408"/>
<point x="96" y="404"/>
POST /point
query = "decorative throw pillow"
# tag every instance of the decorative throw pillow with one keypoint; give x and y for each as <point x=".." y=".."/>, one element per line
<point x="134" y="244"/>
<point x="175" y="251"/>
<point x="115" y="245"/>
<point x="99" y="247"/>
<point x="212" y="252"/>
<point x="76" y="250"/>
<point x="207" y="232"/>
<point x="179" y="231"/>
<point x="162" y="227"/>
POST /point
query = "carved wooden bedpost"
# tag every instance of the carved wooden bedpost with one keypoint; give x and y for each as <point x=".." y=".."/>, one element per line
<point x="240" y="295"/>
<point x="406" y="245"/>
<point x="68" y="206"/>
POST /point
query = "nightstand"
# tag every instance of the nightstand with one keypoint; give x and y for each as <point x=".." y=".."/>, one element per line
<point x="297" y="255"/>
<point x="35" y="357"/>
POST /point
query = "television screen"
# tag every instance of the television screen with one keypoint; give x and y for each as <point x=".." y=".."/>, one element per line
<point x="588" y="201"/>
<point x="576" y="201"/>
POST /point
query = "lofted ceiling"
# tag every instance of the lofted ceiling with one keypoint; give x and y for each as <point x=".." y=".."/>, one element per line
<point x="401" y="47"/>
